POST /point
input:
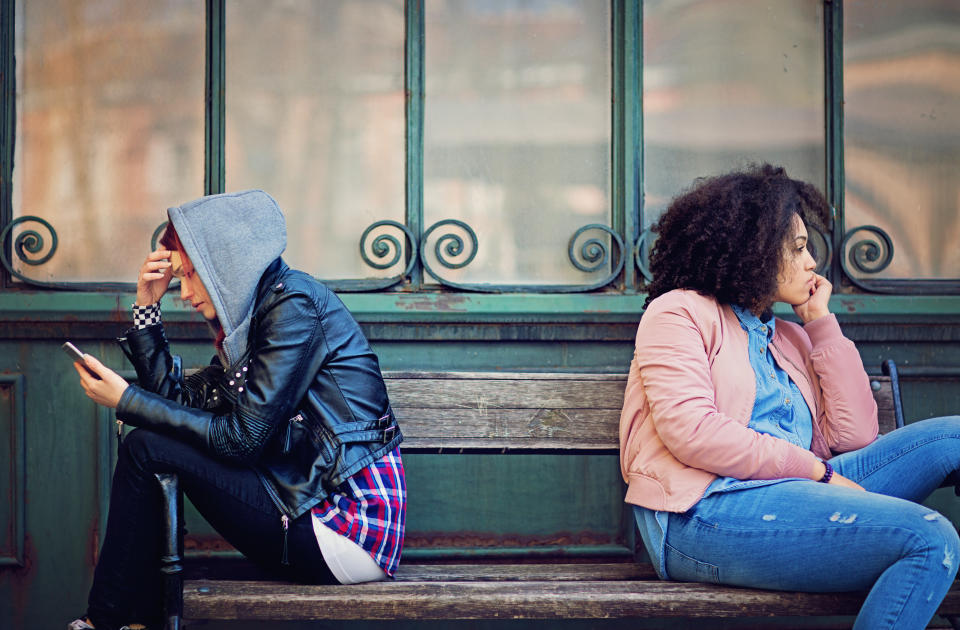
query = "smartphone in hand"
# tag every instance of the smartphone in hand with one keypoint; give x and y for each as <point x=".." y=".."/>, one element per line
<point x="74" y="353"/>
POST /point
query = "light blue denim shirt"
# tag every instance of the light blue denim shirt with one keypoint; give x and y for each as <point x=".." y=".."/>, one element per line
<point x="778" y="410"/>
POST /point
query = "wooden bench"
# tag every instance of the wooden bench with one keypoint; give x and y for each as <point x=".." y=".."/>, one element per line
<point x="513" y="413"/>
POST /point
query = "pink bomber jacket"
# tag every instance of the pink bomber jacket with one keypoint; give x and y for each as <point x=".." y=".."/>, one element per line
<point x="690" y="395"/>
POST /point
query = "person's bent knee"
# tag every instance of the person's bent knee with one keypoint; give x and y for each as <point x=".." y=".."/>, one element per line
<point x="940" y="543"/>
<point x="138" y="447"/>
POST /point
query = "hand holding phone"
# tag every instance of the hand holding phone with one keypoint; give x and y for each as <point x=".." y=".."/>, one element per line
<point x="74" y="353"/>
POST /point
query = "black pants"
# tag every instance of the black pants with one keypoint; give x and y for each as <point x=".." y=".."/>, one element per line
<point x="126" y="583"/>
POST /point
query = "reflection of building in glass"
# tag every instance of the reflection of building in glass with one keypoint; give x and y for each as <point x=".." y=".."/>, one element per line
<point x="109" y="127"/>
<point x="727" y="83"/>
<point x="902" y="130"/>
<point x="315" y="116"/>
<point x="517" y="132"/>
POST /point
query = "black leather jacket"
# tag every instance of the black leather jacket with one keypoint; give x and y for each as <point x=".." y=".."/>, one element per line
<point x="306" y="406"/>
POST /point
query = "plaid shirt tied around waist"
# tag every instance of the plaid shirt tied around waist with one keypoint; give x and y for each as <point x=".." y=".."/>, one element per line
<point x="369" y="509"/>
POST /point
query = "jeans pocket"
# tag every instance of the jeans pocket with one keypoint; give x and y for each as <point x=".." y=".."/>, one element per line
<point x="682" y="567"/>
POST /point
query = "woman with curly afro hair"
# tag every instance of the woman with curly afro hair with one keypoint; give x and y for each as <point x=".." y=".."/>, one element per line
<point x="749" y="443"/>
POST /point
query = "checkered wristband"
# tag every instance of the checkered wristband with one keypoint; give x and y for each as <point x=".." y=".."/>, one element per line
<point x="144" y="316"/>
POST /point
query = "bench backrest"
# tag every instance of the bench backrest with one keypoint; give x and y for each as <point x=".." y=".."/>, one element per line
<point x="512" y="411"/>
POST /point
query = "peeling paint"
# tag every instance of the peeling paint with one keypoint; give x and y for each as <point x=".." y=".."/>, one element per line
<point x="769" y="517"/>
<point x="932" y="516"/>
<point x="835" y="517"/>
<point x="947" y="558"/>
<point x="431" y="303"/>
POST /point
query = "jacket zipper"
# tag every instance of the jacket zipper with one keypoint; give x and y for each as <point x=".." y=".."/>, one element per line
<point x="285" y="523"/>
<point x="284" y="519"/>
<point x="287" y="442"/>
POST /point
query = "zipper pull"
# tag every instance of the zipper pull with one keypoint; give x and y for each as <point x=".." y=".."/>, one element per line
<point x="287" y="441"/>
<point x="119" y="436"/>
<point x="285" y="522"/>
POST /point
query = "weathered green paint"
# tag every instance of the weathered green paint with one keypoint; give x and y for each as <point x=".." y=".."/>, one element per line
<point x="13" y="478"/>
<point x="413" y="79"/>
<point x="7" y="112"/>
<point x="214" y="112"/>
<point x="46" y="306"/>
<point x="833" y="118"/>
<point x="627" y="146"/>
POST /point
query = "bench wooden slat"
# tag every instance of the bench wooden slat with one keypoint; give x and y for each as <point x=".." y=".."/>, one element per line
<point x="524" y="572"/>
<point x="509" y="393"/>
<point x="539" y="599"/>
<point x="469" y="410"/>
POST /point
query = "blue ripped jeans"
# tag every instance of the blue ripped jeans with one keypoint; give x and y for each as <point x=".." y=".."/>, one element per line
<point x="806" y="536"/>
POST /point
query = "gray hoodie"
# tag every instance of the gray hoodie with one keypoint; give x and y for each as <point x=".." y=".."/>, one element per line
<point x="231" y="239"/>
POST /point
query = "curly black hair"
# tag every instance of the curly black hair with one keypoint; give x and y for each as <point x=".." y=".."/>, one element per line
<point x="725" y="236"/>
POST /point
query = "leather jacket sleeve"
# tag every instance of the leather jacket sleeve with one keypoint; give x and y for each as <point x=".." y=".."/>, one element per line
<point x="160" y="372"/>
<point x="287" y="348"/>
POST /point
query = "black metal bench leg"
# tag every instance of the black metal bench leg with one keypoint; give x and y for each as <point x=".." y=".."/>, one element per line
<point x="171" y="563"/>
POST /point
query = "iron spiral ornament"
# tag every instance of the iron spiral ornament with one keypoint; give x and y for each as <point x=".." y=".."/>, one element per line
<point x="641" y="253"/>
<point x="820" y="248"/>
<point x="871" y="254"/>
<point x="28" y="245"/>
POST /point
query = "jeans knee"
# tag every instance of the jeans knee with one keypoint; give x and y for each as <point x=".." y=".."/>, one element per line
<point x="940" y="542"/>
<point x="137" y="447"/>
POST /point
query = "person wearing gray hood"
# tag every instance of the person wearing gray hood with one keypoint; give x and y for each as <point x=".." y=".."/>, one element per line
<point x="285" y="443"/>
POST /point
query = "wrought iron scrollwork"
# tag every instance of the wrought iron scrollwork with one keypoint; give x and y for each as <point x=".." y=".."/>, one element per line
<point x="596" y="252"/>
<point x="641" y="253"/>
<point x="451" y="245"/>
<point x="457" y="248"/>
<point x="382" y="251"/>
<point x="27" y="245"/>
<point x="868" y="255"/>
<point x="820" y="247"/>
<point x="385" y="251"/>
<point x="156" y="235"/>
<point x="30" y="243"/>
<point x="872" y="254"/>
<point x="448" y="246"/>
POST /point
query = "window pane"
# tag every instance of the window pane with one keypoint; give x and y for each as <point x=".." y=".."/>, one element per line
<point x="726" y="84"/>
<point x="109" y="128"/>
<point x="517" y="135"/>
<point x="315" y="116"/>
<point x="901" y="75"/>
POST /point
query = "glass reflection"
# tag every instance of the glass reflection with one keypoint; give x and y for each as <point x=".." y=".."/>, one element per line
<point x="901" y="75"/>
<point x="517" y="133"/>
<point x="109" y="128"/>
<point x="728" y="83"/>
<point x="315" y="116"/>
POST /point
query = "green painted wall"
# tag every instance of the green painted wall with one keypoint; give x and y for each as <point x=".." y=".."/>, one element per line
<point x="571" y="504"/>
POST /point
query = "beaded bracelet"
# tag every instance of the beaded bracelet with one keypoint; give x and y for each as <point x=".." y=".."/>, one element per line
<point x="828" y="473"/>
